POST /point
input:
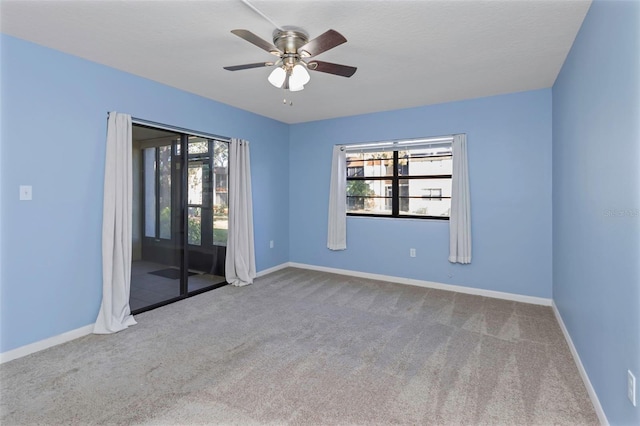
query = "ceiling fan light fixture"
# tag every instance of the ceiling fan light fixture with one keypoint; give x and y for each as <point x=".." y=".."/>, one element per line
<point x="277" y="77"/>
<point x="299" y="76"/>
<point x="294" y="88"/>
<point x="292" y="45"/>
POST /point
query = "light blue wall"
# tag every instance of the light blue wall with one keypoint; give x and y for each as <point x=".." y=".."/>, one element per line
<point x="52" y="137"/>
<point x="596" y="200"/>
<point x="54" y="112"/>
<point x="509" y="153"/>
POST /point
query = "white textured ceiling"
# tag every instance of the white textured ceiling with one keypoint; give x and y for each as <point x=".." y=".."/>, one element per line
<point x="408" y="53"/>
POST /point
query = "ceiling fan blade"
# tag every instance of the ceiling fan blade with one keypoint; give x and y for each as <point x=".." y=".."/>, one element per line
<point x="255" y="40"/>
<point x="248" y="66"/>
<point x="322" y="43"/>
<point x="331" y="68"/>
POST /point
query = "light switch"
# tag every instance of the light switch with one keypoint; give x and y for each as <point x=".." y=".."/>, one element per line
<point x="25" y="192"/>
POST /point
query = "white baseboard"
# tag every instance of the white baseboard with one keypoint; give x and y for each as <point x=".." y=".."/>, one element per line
<point x="428" y="284"/>
<point x="46" y="343"/>
<point x="272" y="269"/>
<point x="88" y="329"/>
<point x="79" y="332"/>
<point x="583" y="373"/>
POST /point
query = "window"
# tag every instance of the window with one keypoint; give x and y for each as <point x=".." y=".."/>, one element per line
<point x="405" y="182"/>
<point x="207" y="186"/>
<point x="207" y="200"/>
<point x="157" y="190"/>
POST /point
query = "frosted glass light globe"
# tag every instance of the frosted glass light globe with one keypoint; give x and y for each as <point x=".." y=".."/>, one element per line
<point x="299" y="76"/>
<point x="277" y="77"/>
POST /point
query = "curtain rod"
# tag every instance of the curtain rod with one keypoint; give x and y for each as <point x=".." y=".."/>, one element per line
<point x="399" y="143"/>
<point x="149" y="123"/>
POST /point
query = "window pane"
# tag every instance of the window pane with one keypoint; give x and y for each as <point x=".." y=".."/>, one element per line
<point x="425" y="187"/>
<point x="149" y="192"/>
<point x="371" y="205"/>
<point x="425" y="207"/>
<point x="368" y="188"/>
<point x="369" y="196"/>
<point x="425" y="161"/>
<point x="420" y="197"/>
<point x="220" y="154"/>
<point x="194" y="235"/>
<point x="220" y="222"/>
<point x="220" y="200"/>
<point x="198" y="145"/>
<point x="164" y="171"/>
<point x="370" y="164"/>
<point x="195" y="183"/>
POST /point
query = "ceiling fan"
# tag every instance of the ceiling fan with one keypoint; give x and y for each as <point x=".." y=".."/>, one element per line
<point x="294" y="50"/>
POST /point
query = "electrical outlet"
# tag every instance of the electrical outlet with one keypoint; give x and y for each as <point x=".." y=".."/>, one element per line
<point x="412" y="252"/>
<point x="26" y="193"/>
<point x="631" y="387"/>
<point x="271" y="244"/>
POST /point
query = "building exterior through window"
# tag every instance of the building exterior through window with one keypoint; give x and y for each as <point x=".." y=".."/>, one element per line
<point x="412" y="182"/>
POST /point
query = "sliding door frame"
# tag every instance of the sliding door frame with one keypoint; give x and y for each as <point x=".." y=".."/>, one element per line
<point x="182" y="214"/>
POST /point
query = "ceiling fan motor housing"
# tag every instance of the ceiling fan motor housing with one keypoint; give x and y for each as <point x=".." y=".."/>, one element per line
<point x="289" y="40"/>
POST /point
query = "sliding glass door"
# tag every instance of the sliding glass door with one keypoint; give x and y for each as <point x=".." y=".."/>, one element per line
<point x="179" y="216"/>
<point x="207" y="210"/>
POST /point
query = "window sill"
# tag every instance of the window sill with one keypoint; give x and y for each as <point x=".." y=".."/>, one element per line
<point x="387" y="217"/>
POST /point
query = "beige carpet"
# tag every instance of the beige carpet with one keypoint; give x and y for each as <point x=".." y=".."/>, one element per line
<point x="303" y="347"/>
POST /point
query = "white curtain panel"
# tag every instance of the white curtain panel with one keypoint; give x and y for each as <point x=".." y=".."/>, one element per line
<point x="115" y="313"/>
<point x="460" y="219"/>
<point x="337" y="229"/>
<point x="240" y="264"/>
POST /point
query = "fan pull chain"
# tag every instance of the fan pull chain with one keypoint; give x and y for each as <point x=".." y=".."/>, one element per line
<point x="284" y="98"/>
